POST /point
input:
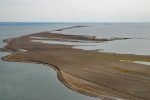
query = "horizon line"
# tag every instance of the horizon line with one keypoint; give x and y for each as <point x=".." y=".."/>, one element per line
<point x="72" y="22"/>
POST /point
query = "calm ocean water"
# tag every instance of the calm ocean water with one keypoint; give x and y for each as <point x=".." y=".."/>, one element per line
<point x="22" y="81"/>
<point x="139" y="33"/>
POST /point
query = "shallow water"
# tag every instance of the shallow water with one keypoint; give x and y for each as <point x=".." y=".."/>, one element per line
<point x="130" y="46"/>
<point x="26" y="81"/>
<point x="142" y="62"/>
<point x="139" y="32"/>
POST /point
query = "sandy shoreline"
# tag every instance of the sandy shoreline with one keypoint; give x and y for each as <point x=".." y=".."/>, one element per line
<point x="102" y="75"/>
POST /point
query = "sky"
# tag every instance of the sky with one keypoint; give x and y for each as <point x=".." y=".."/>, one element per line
<point x="75" y="10"/>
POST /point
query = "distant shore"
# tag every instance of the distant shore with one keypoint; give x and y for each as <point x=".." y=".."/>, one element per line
<point x="97" y="74"/>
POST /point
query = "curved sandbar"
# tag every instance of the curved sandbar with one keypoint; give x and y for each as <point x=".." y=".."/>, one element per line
<point x="102" y="75"/>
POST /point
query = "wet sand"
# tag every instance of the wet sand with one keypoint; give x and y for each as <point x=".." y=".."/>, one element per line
<point x="93" y="73"/>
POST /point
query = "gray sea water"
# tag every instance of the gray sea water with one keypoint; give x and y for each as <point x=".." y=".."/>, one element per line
<point x="25" y="81"/>
<point x="139" y="33"/>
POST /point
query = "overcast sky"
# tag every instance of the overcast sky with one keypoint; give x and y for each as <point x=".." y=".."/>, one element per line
<point x="75" y="10"/>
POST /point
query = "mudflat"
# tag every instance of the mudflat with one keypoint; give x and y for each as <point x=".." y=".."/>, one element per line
<point x="98" y="74"/>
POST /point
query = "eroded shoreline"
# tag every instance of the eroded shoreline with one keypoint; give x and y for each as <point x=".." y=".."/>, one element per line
<point x="96" y="74"/>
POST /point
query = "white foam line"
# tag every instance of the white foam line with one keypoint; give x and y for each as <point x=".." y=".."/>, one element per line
<point x="63" y="42"/>
<point x="138" y="62"/>
<point x="142" y="62"/>
<point x="23" y="50"/>
<point x="34" y="37"/>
